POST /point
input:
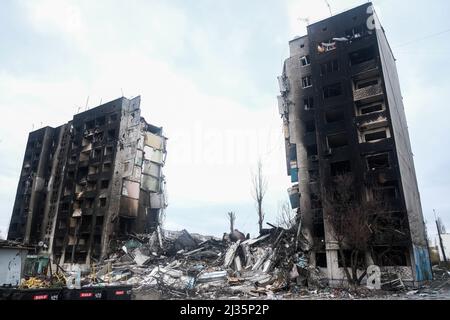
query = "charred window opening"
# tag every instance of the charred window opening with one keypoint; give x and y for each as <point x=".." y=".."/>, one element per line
<point x="377" y="162"/>
<point x="89" y="203"/>
<point x="308" y="103"/>
<point x="321" y="259"/>
<point x="319" y="229"/>
<point x="311" y="151"/>
<point x="313" y="176"/>
<point x="310" y="126"/>
<point x="307" y="82"/>
<point x="385" y="192"/>
<point x="333" y="90"/>
<point x="375" y="136"/>
<point x="391" y="256"/>
<point x="340" y="168"/>
<point x="100" y="121"/>
<point x="370" y="108"/>
<point x="89" y="125"/>
<point x="82" y="172"/>
<point x="97" y="154"/>
<point x="84" y="156"/>
<point x="111" y="134"/>
<point x="329" y="67"/>
<point x="113" y="118"/>
<point x="361" y="84"/>
<point x="93" y="169"/>
<point x="332" y="116"/>
<point x="362" y="55"/>
<point x="91" y="186"/>
<point x="105" y="184"/>
<point x="337" y="140"/>
<point x="109" y="150"/>
<point x="305" y="61"/>
<point x="68" y="190"/>
<point x="356" y="32"/>
<point x="102" y="202"/>
<point x="106" y="167"/>
<point x="71" y="174"/>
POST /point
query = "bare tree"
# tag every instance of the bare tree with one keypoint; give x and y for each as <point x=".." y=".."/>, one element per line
<point x="286" y="218"/>
<point x="258" y="192"/>
<point x="358" y="224"/>
<point x="232" y="219"/>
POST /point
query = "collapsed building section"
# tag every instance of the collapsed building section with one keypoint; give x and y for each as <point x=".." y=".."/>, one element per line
<point x="343" y="114"/>
<point x="90" y="181"/>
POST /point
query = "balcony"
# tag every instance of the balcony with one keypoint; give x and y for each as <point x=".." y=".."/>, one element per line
<point x="368" y="66"/>
<point x="367" y="92"/>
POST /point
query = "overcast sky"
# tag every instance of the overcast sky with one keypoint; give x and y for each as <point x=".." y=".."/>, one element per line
<point x="206" y="72"/>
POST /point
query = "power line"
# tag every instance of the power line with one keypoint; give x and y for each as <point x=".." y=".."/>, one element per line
<point x="423" y="38"/>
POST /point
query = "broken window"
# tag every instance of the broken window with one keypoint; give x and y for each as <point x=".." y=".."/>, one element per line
<point x="334" y="115"/>
<point x="93" y="169"/>
<point x="305" y="61"/>
<point x="84" y="156"/>
<point x="306" y="82"/>
<point x="102" y="202"/>
<point x="387" y="191"/>
<point x="71" y="174"/>
<point x="333" y="90"/>
<point x="109" y="150"/>
<point x="356" y="32"/>
<point x="319" y="230"/>
<point x="91" y="186"/>
<point x="337" y="140"/>
<point x="97" y="153"/>
<point x="362" y="55"/>
<point x="340" y="168"/>
<point x="361" y="84"/>
<point x="89" y="125"/>
<point x="391" y="256"/>
<point x="377" y="162"/>
<point x="375" y="136"/>
<point x="325" y="46"/>
<point x="111" y="134"/>
<point x="89" y="203"/>
<point x="310" y="126"/>
<point x="106" y="167"/>
<point x="105" y="184"/>
<point x="309" y="103"/>
<point x="329" y="67"/>
<point x="370" y="108"/>
<point x="311" y="151"/>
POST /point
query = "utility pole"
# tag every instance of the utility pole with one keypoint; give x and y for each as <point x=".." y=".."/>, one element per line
<point x="329" y="7"/>
<point x="440" y="237"/>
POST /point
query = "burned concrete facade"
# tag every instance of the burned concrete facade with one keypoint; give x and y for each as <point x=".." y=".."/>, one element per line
<point x="342" y="111"/>
<point x="90" y="181"/>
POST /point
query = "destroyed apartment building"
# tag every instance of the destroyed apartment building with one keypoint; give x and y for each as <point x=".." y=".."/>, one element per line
<point x="90" y="181"/>
<point x="343" y="114"/>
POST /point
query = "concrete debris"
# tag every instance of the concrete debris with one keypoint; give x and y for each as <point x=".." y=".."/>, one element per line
<point x="181" y="265"/>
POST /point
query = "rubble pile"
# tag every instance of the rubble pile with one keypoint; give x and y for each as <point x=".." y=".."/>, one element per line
<point x="180" y="264"/>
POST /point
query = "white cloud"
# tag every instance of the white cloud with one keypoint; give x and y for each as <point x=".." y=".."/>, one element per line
<point x="52" y="16"/>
